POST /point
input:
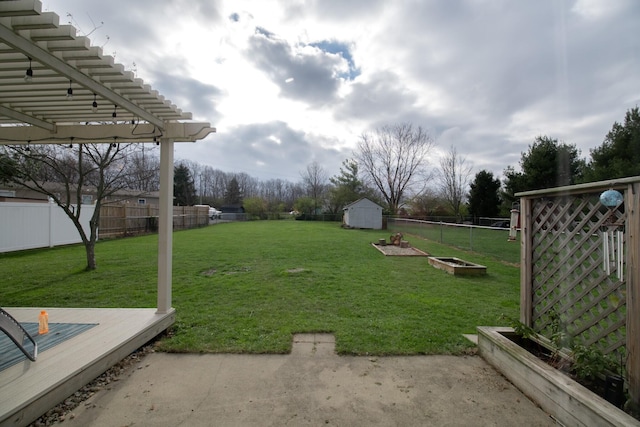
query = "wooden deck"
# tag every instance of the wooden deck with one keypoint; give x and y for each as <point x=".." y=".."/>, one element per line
<point x="29" y="389"/>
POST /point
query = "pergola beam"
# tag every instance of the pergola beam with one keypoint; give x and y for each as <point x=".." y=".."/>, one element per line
<point x="106" y="133"/>
<point x="25" y="118"/>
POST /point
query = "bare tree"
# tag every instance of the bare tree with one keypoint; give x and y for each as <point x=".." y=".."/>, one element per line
<point x="293" y="192"/>
<point x="274" y="192"/>
<point x="314" y="179"/>
<point x="214" y="185"/>
<point x="429" y="202"/>
<point x="103" y="167"/>
<point x="392" y="158"/>
<point x="454" y="179"/>
<point x="143" y="170"/>
<point x="248" y="184"/>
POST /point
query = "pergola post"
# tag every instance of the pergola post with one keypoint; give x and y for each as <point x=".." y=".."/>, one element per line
<point x="165" y="226"/>
<point x="632" y="205"/>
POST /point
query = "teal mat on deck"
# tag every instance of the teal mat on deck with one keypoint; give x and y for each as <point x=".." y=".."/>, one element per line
<point x="58" y="332"/>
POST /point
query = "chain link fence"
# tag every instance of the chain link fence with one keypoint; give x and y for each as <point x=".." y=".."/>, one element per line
<point x="492" y="241"/>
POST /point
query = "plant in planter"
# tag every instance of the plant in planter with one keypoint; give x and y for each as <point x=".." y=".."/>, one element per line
<point x="597" y="372"/>
<point x="560" y="395"/>
<point x="587" y="365"/>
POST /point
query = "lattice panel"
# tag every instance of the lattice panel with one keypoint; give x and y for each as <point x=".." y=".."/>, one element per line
<point x="572" y="277"/>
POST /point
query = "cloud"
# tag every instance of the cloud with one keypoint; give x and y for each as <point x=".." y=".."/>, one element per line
<point x="268" y="150"/>
<point x="190" y="95"/>
<point x="314" y="71"/>
<point x="343" y="50"/>
<point x="333" y="10"/>
<point x="486" y="76"/>
<point x="382" y="98"/>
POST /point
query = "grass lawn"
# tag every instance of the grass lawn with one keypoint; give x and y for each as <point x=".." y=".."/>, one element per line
<point x="247" y="287"/>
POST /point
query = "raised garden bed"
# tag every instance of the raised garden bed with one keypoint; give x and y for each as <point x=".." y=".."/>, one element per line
<point x="457" y="266"/>
<point x="564" y="399"/>
<point x="392" y="250"/>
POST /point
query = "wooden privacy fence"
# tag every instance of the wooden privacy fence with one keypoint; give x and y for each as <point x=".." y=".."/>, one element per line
<point x="580" y="268"/>
<point x="118" y="220"/>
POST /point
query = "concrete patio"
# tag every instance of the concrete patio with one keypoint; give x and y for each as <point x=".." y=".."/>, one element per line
<point x="310" y="386"/>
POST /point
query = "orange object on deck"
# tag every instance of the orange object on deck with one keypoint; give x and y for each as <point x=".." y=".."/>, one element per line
<point x="43" y="323"/>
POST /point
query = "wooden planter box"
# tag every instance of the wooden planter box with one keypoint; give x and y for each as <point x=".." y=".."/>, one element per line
<point x="457" y="266"/>
<point x="564" y="399"/>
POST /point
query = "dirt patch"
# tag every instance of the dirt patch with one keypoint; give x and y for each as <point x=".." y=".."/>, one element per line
<point x="393" y="250"/>
<point x="296" y="270"/>
<point x="237" y="270"/>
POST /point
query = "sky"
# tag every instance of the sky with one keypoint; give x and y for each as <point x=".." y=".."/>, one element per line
<point x="291" y="82"/>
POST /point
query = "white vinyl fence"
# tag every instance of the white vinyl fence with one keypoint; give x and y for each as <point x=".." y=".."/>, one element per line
<point x="38" y="225"/>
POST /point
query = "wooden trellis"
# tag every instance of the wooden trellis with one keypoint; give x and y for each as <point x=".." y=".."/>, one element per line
<point x="580" y="268"/>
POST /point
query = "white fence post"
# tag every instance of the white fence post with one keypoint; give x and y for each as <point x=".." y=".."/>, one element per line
<point x="50" y="222"/>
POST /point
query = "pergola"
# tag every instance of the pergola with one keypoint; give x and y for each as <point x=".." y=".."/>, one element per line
<point x="55" y="88"/>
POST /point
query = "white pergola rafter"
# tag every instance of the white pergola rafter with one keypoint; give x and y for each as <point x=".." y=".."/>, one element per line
<point x="39" y="112"/>
<point x="61" y="60"/>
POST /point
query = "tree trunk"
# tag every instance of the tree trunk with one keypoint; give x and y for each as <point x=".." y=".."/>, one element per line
<point x="90" y="248"/>
<point x="90" y="243"/>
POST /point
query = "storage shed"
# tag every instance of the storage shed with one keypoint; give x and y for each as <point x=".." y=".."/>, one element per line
<point x="363" y="213"/>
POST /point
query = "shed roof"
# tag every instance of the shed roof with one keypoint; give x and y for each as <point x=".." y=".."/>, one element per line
<point x="360" y="201"/>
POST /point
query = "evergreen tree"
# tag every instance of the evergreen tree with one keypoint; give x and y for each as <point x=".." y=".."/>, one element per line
<point x="547" y="164"/>
<point x="551" y="164"/>
<point x="8" y="169"/>
<point x="184" y="191"/>
<point x="346" y="187"/>
<point x="233" y="195"/>
<point x="619" y="154"/>
<point x="484" y="195"/>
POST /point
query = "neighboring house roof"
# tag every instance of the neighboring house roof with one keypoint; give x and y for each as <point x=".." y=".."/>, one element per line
<point x="232" y="209"/>
<point x="359" y="201"/>
<point x="55" y="187"/>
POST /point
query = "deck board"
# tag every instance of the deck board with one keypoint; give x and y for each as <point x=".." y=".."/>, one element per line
<point x="29" y="389"/>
